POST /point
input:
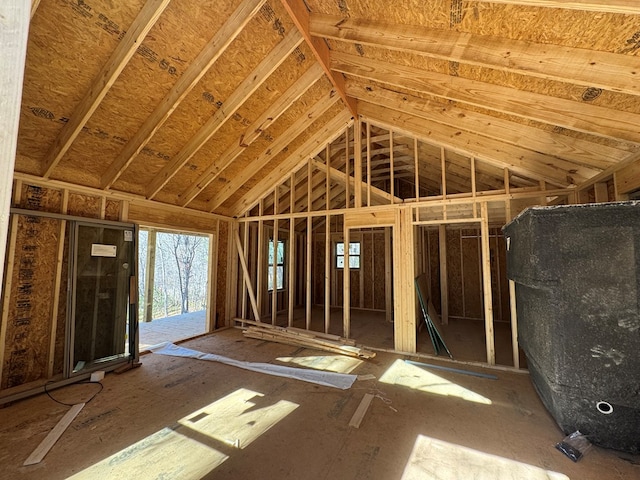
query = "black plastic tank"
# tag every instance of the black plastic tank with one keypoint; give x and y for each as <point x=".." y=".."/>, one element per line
<point x="577" y="275"/>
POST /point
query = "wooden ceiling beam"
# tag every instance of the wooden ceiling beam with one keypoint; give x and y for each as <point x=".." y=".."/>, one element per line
<point x="293" y="93"/>
<point x="299" y="13"/>
<point x="582" y="152"/>
<point x="591" y="119"/>
<point x="590" y="68"/>
<point x="630" y="7"/>
<point x="299" y="126"/>
<point x="249" y="85"/>
<point x="321" y="137"/>
<point x="192" y="75"/>
<point x="525" y="162"/>
<point x="103" y="82"/>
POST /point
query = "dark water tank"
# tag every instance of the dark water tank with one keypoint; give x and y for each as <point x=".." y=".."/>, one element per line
<point x="577" y="274"/>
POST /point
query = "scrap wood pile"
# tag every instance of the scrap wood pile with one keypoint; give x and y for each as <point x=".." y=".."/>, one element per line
<point x="306" y="338"/>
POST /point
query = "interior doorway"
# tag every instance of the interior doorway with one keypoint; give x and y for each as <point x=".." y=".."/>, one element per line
<point x="173" y="286"/>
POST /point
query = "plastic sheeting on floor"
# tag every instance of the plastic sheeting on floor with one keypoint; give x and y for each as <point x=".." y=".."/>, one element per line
<point x="329" y="379"/>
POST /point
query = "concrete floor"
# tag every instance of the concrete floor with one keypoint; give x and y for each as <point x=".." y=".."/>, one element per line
<point x="190" y="419"/>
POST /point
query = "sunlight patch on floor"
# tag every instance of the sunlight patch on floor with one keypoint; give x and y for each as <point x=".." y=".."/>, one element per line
<point x="239" y="418"/>
<point x="433" y="459"/>
<point x="165" y="454"/>
<point x="329" y="363"/>
<point x="411" y="376"/>
<point x="187" y="451"/>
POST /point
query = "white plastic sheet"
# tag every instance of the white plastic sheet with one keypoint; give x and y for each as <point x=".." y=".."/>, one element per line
<point x="329" y="379"/>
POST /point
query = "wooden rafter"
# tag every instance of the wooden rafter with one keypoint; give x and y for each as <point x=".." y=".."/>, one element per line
<point x="265" y="120"/>
<point x="103" y="82"/>
<point x="517" y="159"/>
<point x="582" y="152"/>
<point x="579" y="66"/>
<point x="251" y="83"/>
<point x="299" y="13"/>
<point x="192" y="75"/>
<point x="631" y="7"/>
<point x="326" y="133"/>
<point x="591" y="119"/>
<point x="274" y="149"/>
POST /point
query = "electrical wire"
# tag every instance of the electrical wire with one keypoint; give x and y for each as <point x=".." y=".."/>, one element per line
<point x="71" y="385"/>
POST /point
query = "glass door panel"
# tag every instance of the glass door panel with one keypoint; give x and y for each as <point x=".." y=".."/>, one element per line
<point x="104" y="261"/>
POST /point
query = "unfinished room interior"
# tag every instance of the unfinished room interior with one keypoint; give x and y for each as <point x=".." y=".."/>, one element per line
<point x="422" y="254"/>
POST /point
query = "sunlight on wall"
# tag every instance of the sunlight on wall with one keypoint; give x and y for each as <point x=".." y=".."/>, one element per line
<point x="239" y="418"/>
<point x="329" y="363"/>
<point x="187" y="451"/>
<point x="401" y="373"/>
<point x="435" y="459"/>
<point x="165" y="454"/>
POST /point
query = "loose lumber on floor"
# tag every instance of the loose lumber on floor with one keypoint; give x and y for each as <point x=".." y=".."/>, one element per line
<point x="305" y="338"/>
<point x="49" y="441"/>
<point x="361" y="410"/>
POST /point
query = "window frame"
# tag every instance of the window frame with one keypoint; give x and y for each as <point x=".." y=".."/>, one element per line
<point x="279" y="266"/>
<point x="351" y="255"/>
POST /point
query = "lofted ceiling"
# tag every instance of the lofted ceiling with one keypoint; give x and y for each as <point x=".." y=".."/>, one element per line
<point x="209" y="105"/>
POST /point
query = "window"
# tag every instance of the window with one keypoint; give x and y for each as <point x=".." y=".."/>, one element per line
<point x="354" y="255"/>
<point x="279" y="266"/>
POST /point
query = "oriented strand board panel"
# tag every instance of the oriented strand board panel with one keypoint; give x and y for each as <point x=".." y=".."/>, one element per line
<point x="64" y="74"/>
<point x="81" y="205"/>
<point x="30" y="301"/>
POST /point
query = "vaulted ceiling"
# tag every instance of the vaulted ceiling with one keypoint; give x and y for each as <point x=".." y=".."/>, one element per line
<point x="209" y="104"/>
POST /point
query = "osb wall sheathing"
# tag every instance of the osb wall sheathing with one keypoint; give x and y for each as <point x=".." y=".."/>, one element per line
<point x="573" y="28"/>
<point x="28" y="307"/>
<point x="28" y="320"/>
<point x="38" y="244"/>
